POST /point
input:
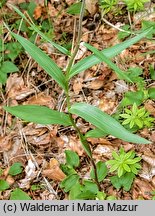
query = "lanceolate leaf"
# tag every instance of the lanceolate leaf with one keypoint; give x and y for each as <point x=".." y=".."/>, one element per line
<point x="102" y="57"/>
<point x="39" y="114"/>
<point x="34" y="27"/>
<point x="109" y="53"/>
<point x="105" y="122"/>
<point x="43" y="60"/>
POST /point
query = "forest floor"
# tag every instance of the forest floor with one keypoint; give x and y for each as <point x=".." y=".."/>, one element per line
<point x="40" y="148"/>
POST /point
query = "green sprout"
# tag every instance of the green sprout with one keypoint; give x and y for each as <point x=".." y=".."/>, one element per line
<point x="135" y="116"/>
<point x="124" y="162"/>
<point x="135" y="5"/>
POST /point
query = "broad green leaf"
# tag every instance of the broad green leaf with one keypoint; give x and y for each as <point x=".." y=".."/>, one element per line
<point x="132" y="97"/>
<point x="105" y="122"/>
<point x="15" y="169"/>
<point x="69" y="182"/>
<point x="8" y="67"/>
<point x="43" y="60"/>
<point x="102" y="57"/>
<point x="72" y="158"/>
<point x="34" y="27"/>
<point x="18" y="194"/>
<point x="109" y="53"/>
<point x="124" y="181"/>
<point x="74" y="9"/>
<point x="101" y="171"/>
<point x="3" y="185"/>
<point x="39" y="114"/>
<point x="151" y="92"/>
<point x="95" y="133"/>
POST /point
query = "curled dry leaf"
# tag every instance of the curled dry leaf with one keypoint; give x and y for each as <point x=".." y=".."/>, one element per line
<point x="16" y="88"/>
<point x="82" y="50"/>
<point x="149" y="160"/>
<point x="53" y="171"/>
<point x="31" y="173"/>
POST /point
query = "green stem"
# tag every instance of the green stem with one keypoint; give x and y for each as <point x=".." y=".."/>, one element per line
<point x="83" y="140"/>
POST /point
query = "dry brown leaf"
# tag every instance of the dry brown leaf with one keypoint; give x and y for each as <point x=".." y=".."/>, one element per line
<point x="53" y="171"/>
<point x="95" y="84"/>
<point x="91" y="6"/>
<point x="41" y="99"/>
<point x="150" y="107"/>
<point x="77" y="85"/>
<point x="142" y="188"/>
<point x="16" y="88"/>
<point x="37" y="12"/>
<point x="75" y="145"/>
<point x="5" y="143"/>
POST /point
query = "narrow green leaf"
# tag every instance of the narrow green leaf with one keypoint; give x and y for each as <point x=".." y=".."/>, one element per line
<point x="34" y="27"/>
<point x="39" y="114"/>
<point x="102" y="57"/>
<point x="109" y="53"/>
<point x="43" y="60"/>
<point x="72" y="158"/>
<point x="105" y="122"/>
<point x="18" y="194"/>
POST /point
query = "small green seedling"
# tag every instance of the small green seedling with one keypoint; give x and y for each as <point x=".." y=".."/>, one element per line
<point x="135" y="5"/>
<point x="135" y="116"/>
<point x="124" y="163"/>
<point x="79" y="188"/>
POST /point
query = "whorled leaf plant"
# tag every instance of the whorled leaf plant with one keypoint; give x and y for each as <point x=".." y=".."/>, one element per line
<point x="103" y="122"/>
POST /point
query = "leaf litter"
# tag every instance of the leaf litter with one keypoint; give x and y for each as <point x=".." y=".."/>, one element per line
<point x="98" y="86"/>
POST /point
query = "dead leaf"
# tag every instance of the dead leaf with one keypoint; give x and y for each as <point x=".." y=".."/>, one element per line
<point x="77" y="85"/>
<point x="95" y="84"/>
<point x="82" y="50"/>
<point x="75" y="145"/>
<point x="5" y="143"/>
<point x="149" y="160"/>
<point x="91" y="6"/>
<point x="142" y="188"/>
<point x="37" y="12"/>
<point x="150" y="107"/>
<point x="53" y="171"/>
<point x="41" y="99"/>
<point x="31" y="173"/>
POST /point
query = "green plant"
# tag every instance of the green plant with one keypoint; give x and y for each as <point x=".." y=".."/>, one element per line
<point x="124" y="162"/>
<point x="126" y="165"/>
<point x="15" y="169"/>
<point x="108" y="5"/>
<point x="18" y="194"/>
<point x="135" y="5"/>
<point x="135" y="116"/>
<point x="79" y="188"/>
<point x="103" y="122"/>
